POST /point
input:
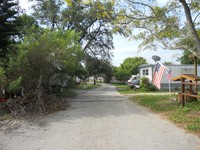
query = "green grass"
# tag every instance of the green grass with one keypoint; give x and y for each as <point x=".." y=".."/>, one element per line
<point x="159" y="103"/>
<point x="124" y="89"/>
<point x="187" y="117"/>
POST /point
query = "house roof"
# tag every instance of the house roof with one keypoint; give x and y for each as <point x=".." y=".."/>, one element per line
<point x="187" y="77"/>
<point x="145" y="65"/>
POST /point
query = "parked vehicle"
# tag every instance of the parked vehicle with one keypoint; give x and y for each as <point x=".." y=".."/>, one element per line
<point x="133" y="77"/>
<point x="134" y="84"/>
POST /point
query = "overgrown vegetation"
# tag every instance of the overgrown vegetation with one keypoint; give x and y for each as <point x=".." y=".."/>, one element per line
<point x="44" y="52"/>
<point x="145" y="85"/>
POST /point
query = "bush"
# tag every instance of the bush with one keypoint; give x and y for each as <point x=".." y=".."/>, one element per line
<point x="145" y="85"/>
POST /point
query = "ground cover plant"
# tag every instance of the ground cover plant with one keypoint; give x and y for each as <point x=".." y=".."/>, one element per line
<point x="123" y="89"/>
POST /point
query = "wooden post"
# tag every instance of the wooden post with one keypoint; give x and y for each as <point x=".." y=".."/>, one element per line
<point x="182" y="91"/>
<point x="190" y="87"/>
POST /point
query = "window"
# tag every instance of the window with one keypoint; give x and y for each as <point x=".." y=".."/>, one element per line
<point x="145" y="72"/>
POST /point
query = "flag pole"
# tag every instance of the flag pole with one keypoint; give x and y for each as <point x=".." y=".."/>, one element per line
<point x="169" y="74"/>
<point x="169" y="87"/>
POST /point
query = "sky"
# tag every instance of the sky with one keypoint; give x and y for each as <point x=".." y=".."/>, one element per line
<point x="123" y="48"/>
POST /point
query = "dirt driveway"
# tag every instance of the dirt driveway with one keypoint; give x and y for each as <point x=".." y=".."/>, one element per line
<point x="100" y="119"/>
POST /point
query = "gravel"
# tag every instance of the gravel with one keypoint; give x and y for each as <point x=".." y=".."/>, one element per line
<point x="100" y="119"/>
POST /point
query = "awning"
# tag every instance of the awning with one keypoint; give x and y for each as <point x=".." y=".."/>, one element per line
<point x="190" y="77"/>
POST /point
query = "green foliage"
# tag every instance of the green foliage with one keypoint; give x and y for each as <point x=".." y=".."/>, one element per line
<point x="188" y="116"/>
<point x="49" y="12"/>
<point x="161" y="25"/>
<point x="145" y="85"/>
<point x="144" y="81"/>
<point x="188" y="58"/>
<point x="27" y="24"/>
<point x="15" y="85"/>
<point x="98" y="67"/>
<point x="45" y="54"/>
<point x="128" y="68"/>
<point x="131" y="64"/>
<point x="8" y="26"/>
<point x="93" y="21"/>
<point x="2" y="77"/>
<point x="122" y="74"/>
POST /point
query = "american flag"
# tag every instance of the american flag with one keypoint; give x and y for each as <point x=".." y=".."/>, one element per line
<point x="169" y="74"/>
<point x="159" y="70"/>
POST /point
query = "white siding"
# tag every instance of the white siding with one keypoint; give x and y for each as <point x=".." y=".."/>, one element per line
<point x="176" y="71"/>
<point x="150" y="73"/>
<point x="179" y="69"/>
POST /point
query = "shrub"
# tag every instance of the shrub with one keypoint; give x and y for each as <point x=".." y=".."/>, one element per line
<point x="145" y="85"/>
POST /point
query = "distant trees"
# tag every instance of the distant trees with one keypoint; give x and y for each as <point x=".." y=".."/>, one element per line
<point x="128" y="68"/>
<point x="96" y="67"/>
<point x="187" y="58"/>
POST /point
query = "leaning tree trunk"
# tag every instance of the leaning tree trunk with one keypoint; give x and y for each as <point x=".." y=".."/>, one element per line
<point x="192" y="29"/>
<point x="39" y="93"/>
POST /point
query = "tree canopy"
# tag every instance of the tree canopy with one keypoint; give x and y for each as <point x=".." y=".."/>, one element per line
<point x="8" y="26"/>
<point x="129" y="67"/>
<point x="161" y="25"/>
<point x="45" y="55"/>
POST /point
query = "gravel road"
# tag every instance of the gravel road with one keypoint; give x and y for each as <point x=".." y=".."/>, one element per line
<point x="100" y="119"/>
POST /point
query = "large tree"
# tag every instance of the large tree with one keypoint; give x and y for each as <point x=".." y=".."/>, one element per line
<point x="41" y="56"/>
<point x="48" y="12"/>
<point x="8" y="24"/>
<point x="27" y="24"/>
<point x="162" y="25"/>
<point x="93" y="22"/>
